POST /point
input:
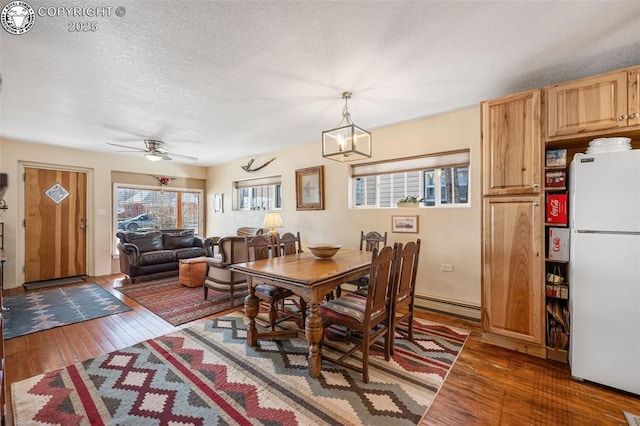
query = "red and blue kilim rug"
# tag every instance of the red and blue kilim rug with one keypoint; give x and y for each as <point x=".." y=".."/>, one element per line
<point x="206" y="374"/>
<point x="37" y="310"/>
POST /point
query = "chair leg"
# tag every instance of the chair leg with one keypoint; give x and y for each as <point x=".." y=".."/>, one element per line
<point x="391" y="336"/>
<point x="410" y="327"/>
<point x="365" y="356"/>
<point x="231" y="299"/>
<point x="272" y="316"/>
<point x="206" y="292"/>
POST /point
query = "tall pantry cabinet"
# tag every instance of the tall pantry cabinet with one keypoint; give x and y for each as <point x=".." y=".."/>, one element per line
<point x="512" y="249"/>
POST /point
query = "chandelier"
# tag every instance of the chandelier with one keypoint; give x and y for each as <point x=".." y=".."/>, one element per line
<point x="347" y="142"/>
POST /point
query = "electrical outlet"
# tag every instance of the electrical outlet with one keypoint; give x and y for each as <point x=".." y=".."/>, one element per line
<point x="446" y="267"/>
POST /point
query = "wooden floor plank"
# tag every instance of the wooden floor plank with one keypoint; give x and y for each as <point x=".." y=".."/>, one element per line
<point x="487" y="385"/>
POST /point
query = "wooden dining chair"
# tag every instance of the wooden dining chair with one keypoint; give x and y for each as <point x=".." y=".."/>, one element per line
<point x="367" y="319"/>
<point x="288" y="244"/>
<point x="403" y="301"/>
<point x="263" y="247"/>
<point x="368" y="242"/>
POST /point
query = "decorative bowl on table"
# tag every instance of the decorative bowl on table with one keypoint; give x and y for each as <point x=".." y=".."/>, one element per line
<point x="324" y="250"/>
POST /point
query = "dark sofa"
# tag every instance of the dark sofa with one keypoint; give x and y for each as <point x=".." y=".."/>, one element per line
<point x="145" y="253"/>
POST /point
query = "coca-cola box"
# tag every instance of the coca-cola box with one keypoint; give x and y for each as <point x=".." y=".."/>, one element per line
<point x="557" y="208"/>
<point x="558" y="244"/>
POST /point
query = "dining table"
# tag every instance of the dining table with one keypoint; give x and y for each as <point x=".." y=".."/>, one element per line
<point x="308" y="277"/>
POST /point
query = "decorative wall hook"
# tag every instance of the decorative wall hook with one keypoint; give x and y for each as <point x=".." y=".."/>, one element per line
<point x="247" y="167"/>
<point x="164" y="180"/>
<point x="3" y="205"/>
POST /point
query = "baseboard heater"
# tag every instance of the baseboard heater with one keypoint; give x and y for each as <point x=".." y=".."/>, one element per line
<point x="451" y="307"/>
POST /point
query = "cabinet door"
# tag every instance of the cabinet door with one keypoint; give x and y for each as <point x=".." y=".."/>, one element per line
<point x="633" y="101"/>
<point x="512" y="280"/>
<point x="587" y="105"/>
<point x="512" y="144"/>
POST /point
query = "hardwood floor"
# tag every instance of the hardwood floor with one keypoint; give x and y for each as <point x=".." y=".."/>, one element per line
<point x="487" y="385"/>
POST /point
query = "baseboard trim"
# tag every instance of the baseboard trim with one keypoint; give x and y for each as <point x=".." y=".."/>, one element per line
<point x="460" y="309"/>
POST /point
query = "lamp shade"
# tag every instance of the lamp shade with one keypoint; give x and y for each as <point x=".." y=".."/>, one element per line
<point x="272" y="220"/>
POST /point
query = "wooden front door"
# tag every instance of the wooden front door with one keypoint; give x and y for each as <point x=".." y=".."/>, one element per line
<point x="55" y="224"/>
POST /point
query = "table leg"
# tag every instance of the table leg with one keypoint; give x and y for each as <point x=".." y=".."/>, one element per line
<point x="313" y="330"/>
<point x="251" y="307"/>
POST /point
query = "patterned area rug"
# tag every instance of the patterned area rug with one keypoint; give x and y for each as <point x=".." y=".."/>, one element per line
<point x="206" y="374"/>
<point x="34" y="311"/>
<point x="178" y="304"/>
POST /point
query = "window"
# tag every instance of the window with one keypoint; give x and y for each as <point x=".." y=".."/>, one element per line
<point x="259" y="194"/>
<point x="440" y="179"/>
<point x="145" y="208"/>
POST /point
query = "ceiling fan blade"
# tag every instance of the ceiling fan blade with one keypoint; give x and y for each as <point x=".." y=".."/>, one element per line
<point x="186" y="157"/>
<point x="128" y="147"/>
<point x="166" y="157"/>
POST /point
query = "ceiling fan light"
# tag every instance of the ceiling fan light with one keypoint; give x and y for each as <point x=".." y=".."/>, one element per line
<point x="152" y="156"/>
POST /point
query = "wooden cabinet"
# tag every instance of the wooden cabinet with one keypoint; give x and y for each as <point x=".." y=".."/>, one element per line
<point x="604" y="103"/>
<point x="513" y="256"/>
<point x="512" y="291"/>
<point x="512" y="144"/>
<point x="514" y="188"/>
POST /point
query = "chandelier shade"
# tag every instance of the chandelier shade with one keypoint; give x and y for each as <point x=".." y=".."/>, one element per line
<point x="347" y="142"/>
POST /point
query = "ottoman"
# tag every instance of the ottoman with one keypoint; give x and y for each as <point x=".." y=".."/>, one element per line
<point x="191" y="271"/>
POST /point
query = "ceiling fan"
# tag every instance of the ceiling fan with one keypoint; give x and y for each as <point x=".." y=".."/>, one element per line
<point x="154" y="151"/>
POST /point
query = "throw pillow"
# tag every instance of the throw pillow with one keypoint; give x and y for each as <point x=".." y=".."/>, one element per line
<point x="146" y="241"/>
<point x="178" y="239"/>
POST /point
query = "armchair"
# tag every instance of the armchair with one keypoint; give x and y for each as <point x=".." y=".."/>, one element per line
<point x="218" y="276"/>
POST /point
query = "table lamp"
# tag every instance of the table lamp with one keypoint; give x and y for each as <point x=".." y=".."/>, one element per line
<point x="272" y="220"/>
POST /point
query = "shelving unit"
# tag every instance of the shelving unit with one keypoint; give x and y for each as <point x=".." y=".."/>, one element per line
<point x="556" y="255"/>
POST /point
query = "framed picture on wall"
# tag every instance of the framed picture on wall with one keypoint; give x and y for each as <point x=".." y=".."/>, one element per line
<point x="218" y="203"/>
<point x="310" y="188"/>
<point x="404" y="224"/>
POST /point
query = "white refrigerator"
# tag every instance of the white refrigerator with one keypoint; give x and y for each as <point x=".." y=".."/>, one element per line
<point x="604" y="295"/>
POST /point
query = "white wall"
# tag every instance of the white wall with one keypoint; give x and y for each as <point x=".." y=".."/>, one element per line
<point x="15" y="154"/>
<point x="449" y="235"/>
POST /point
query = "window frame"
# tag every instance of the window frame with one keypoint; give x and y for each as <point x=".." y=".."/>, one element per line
<point x="253" y="184"/>
<point x="422" y="164"/>
<point x="114" y="214"/>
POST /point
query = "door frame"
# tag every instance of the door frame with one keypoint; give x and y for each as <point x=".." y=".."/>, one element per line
<point x="90" y="233"/>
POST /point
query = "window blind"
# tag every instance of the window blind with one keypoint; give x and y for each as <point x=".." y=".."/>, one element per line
<point x="407" y="164"/>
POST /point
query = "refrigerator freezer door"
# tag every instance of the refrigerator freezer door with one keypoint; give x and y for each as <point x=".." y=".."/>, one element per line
<point x="604" y="303"/>
<point x="605" y="192"/>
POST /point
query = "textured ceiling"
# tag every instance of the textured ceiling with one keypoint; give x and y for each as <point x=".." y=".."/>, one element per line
<point x="223" y="80"/>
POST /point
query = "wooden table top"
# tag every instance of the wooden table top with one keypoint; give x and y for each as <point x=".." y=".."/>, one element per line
<point x="306" y="269"/>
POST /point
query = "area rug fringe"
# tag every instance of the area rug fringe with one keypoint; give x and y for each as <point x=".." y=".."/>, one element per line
<point x="206" y="374"/>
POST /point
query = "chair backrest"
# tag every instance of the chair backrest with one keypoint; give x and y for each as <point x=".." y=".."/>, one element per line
<point x="247" y="231"/>
<point x="372" y="240"/>
<point x="260" y="247"/>
<point x="289" y="243"/>
<point x="407" y="271"/>
<point x="382" y="280"/>
<point x="232" y="249"/>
